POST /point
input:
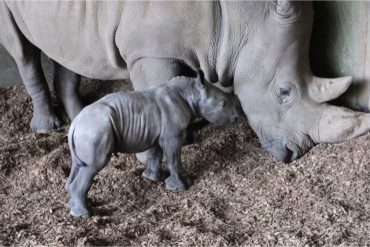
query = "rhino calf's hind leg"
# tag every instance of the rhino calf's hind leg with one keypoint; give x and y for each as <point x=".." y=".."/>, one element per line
<point x="66" y="85"/>
<point x="154" y="171"/>
<point x="91" y="145"/>
<point x="72" y="175"/>
<point x="30" y="69"/>
<point x="79" y="188"/>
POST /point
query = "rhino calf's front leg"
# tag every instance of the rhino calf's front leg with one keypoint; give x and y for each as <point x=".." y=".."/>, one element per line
<point x="153" y="170"/>
<point x="172" y="150"/>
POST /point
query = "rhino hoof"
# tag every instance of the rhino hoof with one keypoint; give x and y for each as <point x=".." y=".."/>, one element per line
<point x="142" y="157"/>
<point x="177" y="183"/>
<point x="44" y="124"/>
<point x="79" y="212"/>
<point x="66" y="186"/>
<point x="152" y="175"/>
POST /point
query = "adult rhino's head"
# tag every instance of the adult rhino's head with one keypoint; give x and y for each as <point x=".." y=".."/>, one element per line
<point x="284" y="102"/>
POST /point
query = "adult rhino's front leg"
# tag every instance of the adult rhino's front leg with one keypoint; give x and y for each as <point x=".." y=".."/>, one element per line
<point x="44" y="118"/>
<point x="27" y="58"/>
<point x="155" y="71"/>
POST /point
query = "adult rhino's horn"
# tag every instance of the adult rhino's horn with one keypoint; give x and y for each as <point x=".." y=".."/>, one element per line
<point x="338" y="124"/>
<point x="323" y="89"/>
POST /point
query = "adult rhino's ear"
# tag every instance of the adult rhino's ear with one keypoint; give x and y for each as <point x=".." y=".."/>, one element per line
<point x="199" y="81"/>
<point x="286" y="8"/>
<point x="323" y="89"/>
<point x="200" y="76"/>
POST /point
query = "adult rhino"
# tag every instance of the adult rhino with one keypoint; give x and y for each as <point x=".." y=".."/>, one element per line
<point x="261" y="48"/>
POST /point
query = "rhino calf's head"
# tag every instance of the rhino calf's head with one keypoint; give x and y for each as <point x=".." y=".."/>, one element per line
<point x="214" y="105"/>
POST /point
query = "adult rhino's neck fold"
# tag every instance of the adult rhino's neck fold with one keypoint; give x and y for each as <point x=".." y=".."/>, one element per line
<point x="238" y="21"/>
<point x="187" y="91"/>
<point x="209" y="28"/>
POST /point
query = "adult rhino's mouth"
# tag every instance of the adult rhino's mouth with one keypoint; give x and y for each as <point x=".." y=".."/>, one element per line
<point x="286" y="151"/>
<point x="279" y="150"/>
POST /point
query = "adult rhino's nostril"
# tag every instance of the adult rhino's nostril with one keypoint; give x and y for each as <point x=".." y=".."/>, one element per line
<point x="295" y="155"/>
<point x="285" y="155"/>
<point x="279" y="151"/>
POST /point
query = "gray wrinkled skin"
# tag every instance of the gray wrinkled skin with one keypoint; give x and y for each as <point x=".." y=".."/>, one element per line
<point x="154" y="119"/>
<point x="261" y="48"/>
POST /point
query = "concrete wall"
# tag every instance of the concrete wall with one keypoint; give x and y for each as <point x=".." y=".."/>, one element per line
<point x="341" y="46"/>
<point x="8" y="70"/>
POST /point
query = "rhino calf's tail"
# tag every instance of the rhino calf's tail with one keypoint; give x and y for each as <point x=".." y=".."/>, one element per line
<point x="76" y="161"/>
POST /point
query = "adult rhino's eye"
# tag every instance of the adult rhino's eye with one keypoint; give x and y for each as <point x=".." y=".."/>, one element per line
<point x="285" y="94"/>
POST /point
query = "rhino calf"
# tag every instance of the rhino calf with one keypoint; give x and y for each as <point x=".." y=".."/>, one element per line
<point x="154" y="119"/>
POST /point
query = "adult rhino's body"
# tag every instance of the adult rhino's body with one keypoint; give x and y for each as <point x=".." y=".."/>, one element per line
<point x="260" y="47"/>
